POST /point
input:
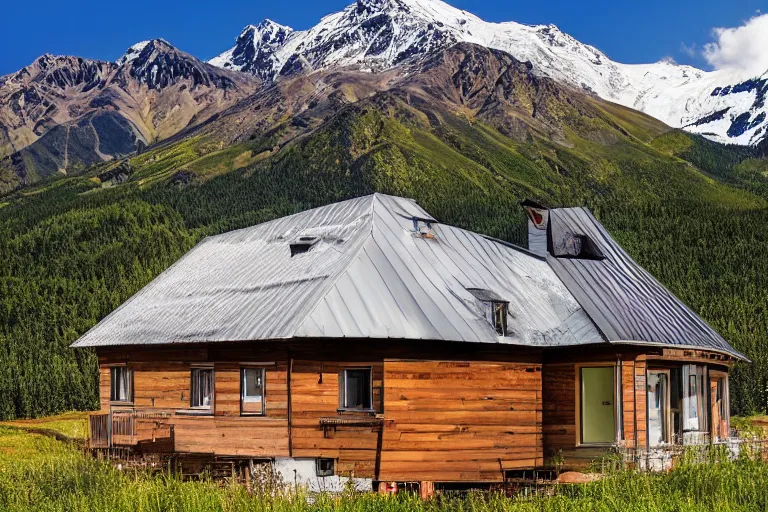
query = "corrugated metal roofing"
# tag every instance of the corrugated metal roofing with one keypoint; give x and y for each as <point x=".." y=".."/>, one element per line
<point x="369" y="276"/>
<point x="626" y="303"/>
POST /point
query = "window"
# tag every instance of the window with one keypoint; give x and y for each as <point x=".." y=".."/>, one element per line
<point x="720" y="411"/>
<point x="658" y="408"/>
<point x="120" y="384"/>
<point x="356" y="389"/>
<point x="303" y="244"/>
<point x="324" y="467"/>
<point x="694" y="398"/>
<point x="496" y="308"/>
<point x="252" y="391"/>
<point x="201" y="388"/>
<point x="499" y="317"/>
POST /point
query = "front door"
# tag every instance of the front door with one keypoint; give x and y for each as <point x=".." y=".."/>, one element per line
<point x="598" y="417"/>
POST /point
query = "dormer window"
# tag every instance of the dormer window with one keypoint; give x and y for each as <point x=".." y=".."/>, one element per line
<point x="582" y="247"/>
<point x="496" y="308"/>
<point x="498" y="316"/>
<point x="303" y="244"/>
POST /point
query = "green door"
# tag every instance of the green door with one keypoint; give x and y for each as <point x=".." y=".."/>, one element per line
<point x="598" y="420"/>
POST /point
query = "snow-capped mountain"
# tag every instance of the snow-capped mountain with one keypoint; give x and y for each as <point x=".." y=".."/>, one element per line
<point x="379" y="34"/>
<point x="254" y="51"/>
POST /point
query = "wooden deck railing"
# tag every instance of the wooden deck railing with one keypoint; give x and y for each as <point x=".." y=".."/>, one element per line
<point x="120" y="427"/>
<point x="98" y="430"/>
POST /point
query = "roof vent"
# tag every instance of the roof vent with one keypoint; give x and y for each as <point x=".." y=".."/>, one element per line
<point x="303" y="244"/>
<point x="422" y="228"/>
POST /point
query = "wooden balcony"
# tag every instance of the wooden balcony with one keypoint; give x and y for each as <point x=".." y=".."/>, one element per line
<point x="127" y="427"/>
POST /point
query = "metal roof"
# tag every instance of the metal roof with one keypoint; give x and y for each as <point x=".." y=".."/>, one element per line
<point x="626" y="303"/>
<point x="381" y="267"/>
<point x="372" y="274"/>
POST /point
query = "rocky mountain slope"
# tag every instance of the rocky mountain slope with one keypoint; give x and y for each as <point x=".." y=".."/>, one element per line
<point x="468" y="132"/>
<point x="62" y="114"/>
<point x="375" y="35"/>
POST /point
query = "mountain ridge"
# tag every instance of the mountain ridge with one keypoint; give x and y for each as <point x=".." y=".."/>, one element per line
<point x="378" y="34"/>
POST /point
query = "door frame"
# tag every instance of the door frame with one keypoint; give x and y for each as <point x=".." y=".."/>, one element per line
<point x="616" y="420"/>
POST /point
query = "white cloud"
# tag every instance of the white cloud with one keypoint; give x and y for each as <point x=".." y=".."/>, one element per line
<point x="744" y="48"/>
<point x="690" y="50"/>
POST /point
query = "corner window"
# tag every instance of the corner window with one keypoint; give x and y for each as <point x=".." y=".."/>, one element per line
<point x="356" y="389"/>
<point x="201" y="388"/>
<point x="694" y="398"/>
<point x="720" y="410"/>
<point x="120" y="384"/>
<point x="252" y="391"/>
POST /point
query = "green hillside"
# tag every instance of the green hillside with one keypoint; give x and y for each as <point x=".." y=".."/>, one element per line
<point x="693" y="213"/>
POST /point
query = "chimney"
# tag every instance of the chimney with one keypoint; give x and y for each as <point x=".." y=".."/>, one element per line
<point x="538" y="220"/>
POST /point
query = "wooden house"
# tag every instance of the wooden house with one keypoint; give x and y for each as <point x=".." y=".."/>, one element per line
<point x="365" y="339"/>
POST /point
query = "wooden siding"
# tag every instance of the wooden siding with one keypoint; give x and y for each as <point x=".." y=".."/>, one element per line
<point x="315" y="395"/>
<point x="559" y="407"/>
<point x="450" y="413"/>
<point x="161" y="382"/>
<point x="628" y="392"/>
<point x="460" y="421"/>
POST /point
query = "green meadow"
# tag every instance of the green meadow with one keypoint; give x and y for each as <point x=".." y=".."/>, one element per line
<point x="39" y="473"/>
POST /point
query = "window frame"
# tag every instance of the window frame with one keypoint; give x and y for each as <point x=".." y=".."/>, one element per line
<point x="343" y="390"/>
<point x="263" y="370"/>
<point x="667" y="424"/>
<point x="319" y="472"/>
<point x="129" y="385"/>
<point x="201" y="409"/>
<point x="502" y="310"/>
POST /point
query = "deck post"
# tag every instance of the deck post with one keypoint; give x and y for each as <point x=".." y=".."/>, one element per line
<point x="427" y="490"/>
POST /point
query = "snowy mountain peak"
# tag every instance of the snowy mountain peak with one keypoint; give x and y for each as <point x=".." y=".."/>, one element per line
<point x="255" y="48"/>
<point x="132" y="52"/>
<point x="375" y="35"/>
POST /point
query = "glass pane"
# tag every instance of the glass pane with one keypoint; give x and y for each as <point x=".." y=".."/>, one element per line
<point x="598" y="421"/>
<point x="692" y="423"/>
<point x="357" y="392"/>
<point x="657" y="408"/>
<point x="202" y="388"/>
<point x="118" y="384"/>
<point x="252" y="384"/>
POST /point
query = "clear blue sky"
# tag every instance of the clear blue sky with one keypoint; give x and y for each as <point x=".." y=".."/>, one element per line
<point x="627" y="31"/>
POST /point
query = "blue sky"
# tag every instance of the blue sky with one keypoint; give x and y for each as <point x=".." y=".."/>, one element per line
<point x="627" y="31"/>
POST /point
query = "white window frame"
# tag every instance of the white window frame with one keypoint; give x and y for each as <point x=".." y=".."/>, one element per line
<point x="252" y="400"/>
<point x="192" y="375"/>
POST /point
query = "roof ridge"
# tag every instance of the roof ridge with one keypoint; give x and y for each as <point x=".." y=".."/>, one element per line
<point x="341" y="273"/>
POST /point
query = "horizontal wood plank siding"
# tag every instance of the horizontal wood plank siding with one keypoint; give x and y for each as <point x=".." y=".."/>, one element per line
<point x="315" y="395"/>
<point x="460" y="421"/>
<point x="559" y="407"/>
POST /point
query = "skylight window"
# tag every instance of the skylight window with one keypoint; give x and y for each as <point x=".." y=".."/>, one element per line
<point x="303" y="244"/>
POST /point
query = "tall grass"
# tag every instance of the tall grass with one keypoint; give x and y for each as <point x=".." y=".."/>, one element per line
<point x="39" y="473"/>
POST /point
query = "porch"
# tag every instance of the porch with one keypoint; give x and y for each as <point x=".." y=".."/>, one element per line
<point x="130" y="428"/>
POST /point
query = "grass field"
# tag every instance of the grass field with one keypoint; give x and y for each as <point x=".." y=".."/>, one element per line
<point x="39" y="473"/>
